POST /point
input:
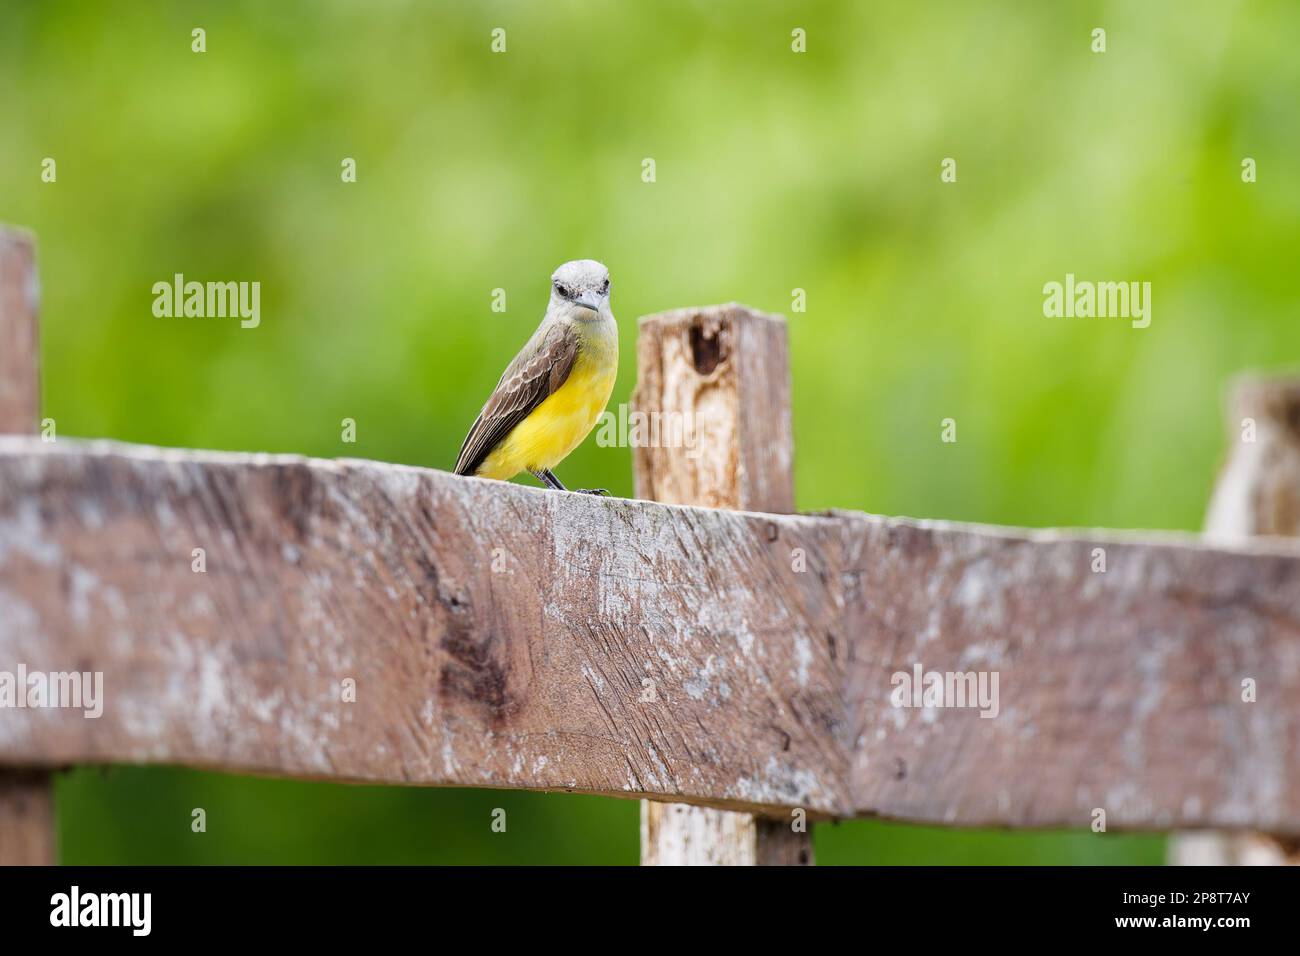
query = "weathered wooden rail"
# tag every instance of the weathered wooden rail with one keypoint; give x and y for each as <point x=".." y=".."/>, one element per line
<point x="496" y="635"/>
<point x="1119" y="689"/>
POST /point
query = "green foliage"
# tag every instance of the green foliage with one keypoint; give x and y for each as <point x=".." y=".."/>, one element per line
<point x="775" y="170"/>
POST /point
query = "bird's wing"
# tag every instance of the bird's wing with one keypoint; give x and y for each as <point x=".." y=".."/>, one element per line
<point x="540" y="368"/>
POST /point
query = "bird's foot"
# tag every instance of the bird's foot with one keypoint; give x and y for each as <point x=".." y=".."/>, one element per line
<point x="598" y="492"/>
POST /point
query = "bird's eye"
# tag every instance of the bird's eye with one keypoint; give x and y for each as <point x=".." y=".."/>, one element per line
<point x="605" y="287"/>
<point x="563" y="290"/>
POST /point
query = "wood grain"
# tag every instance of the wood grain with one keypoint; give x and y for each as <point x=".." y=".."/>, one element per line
<point x="725" y="372"/>
<point x="678" y="834"/>
<point x="498" y="636"/>
<point x="729" y="368"/>
<point x="1258" y="493"/>
<point x="27" y="825"/>
<point x="20" y="392"/>
<point x="26" y="796"/>
<point x="1118" y="690"/>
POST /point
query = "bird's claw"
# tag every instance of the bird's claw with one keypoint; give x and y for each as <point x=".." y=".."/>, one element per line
<point x="598" y="492"/>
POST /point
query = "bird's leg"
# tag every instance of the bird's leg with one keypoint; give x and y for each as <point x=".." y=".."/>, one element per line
<point x="547" y="477"/>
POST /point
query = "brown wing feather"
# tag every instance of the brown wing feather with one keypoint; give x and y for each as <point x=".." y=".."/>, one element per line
<point x="540" y="368"/>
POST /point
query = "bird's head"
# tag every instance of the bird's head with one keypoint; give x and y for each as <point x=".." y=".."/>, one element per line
<point x="580" y="289"/>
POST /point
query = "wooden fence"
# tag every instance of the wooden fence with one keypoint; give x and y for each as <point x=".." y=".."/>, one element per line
<point x="733" y="664"/>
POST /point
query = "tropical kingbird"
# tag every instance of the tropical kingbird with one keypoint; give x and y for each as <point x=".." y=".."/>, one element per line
<point x="550" y="397"/>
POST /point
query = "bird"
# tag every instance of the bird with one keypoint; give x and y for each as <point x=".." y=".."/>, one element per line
<point x="554" y="391"/>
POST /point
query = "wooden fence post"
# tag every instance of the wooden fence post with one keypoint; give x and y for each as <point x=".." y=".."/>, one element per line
<point x="714" y="387"/>
<point x="1257" y="493"/>
<point x="26" y="796"/>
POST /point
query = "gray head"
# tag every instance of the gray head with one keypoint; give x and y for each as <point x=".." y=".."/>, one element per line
<point x="580" y="288"/>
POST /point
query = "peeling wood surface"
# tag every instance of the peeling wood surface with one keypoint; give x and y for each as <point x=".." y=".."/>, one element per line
<point x="20" y="392"/>
<point x="26" y="796"/>
<point x="1118" y="690"/>
<point x="498" y="635"/>
<point x="777" y="843"/>
<point x="725" y="370"/>
<point x="678" y="834"/>
<point x="26" y="818"/>
<point x="728" y="367"/>
<point x="1258" y="493"/>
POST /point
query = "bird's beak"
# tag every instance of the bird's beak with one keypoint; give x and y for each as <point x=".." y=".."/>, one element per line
<point x="589" y="300"/>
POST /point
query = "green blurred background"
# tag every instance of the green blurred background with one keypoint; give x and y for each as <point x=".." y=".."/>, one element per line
<point x="775" y="170"/>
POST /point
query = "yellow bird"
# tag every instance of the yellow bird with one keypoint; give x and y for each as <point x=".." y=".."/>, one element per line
<point x="553" y="393"/>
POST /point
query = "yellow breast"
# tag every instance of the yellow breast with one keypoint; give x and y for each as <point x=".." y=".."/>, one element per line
<point x="560" y="423"/>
